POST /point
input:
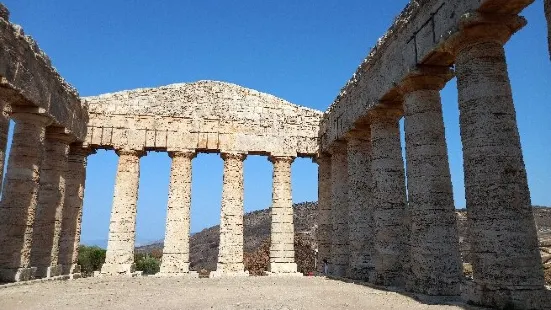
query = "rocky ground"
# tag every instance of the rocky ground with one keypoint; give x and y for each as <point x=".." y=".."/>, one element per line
<point x="228" y="293"/>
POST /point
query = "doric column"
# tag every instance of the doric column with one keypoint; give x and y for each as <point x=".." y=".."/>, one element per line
<point x="340" y="253"/>
<point x="17" y="210"/>
<point x="122" y="229"/>
<point x="325" y="225"/>
<point x="282" y="247"/>
<point x="49" y="210"/>
<point x="360" y="207"/>
<point x="389" y="196"/>
<point x="504" y="243"/>
<point x="72" y="210"/>
<point x="435" y="265"/>
<point x="4" y="129"/>
<point x="230" y="252"/>
<point x="176" y="246"/>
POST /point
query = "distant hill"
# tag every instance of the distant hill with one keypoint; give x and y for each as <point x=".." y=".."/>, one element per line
<point x="204" y="244"/>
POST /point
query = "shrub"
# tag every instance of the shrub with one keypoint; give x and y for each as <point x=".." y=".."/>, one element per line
<point x="90" y="259"/>
<point x="147" y="263"/>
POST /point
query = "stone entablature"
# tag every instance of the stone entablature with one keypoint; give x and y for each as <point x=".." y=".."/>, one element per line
<point x="420" y="35"/>
<point x="207" y="116"/>
<point x="29" y="83"/>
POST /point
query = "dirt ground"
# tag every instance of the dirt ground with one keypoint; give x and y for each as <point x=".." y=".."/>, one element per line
<point x="225" y="293"/>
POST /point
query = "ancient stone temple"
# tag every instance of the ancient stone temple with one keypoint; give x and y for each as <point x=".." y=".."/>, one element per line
<point x="370" y="228"/>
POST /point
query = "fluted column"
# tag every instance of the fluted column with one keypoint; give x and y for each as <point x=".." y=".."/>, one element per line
<point x="389" y="196"/>
<point x="175" y="260"/>
<point x="4" y="129"/>
<point x="122" y="229"/>
<point x="230" y="252"/>
<point x="340" y="254"/>
<point x="503" y="236"/>
<point x="360" y="213"/>
<point x="325" y="225"/>
<point x="49" y="211"/>
<point x="18" y="206"/>
<point x="282" y="247"/>
<point x="435" y="265"/>
<point x="72" y="210"/>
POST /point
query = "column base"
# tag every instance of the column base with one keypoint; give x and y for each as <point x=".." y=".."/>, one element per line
<point x="17" y="274"/>
<point x="191" y="274"/>
<point x="228" y="274"/>
<point x="337" y="271"/>
<point x="53" y="271"/>
<point x="506" y="298"/>
<point x="118" y="269"/>
<point x="282" y="269"/>
<point x="73" y="271"/>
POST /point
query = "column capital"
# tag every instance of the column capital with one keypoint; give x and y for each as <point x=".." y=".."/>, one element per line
<point x="59" y="134"/>
<point x="338" y="147"/>
<point x="136" y="153"/>
<point x="384" y="114"/>
<point x="358" y="135"/>
<point x="476" y="28"/>
<point x="322" y="158"/>
<point x="37" y="119"/>
<point x="286" y="159"/>
<point x="77" y="149"/>
<point x="237" y="156"/>
<point x="426" y="78"/>
<point x="187" y="154"/>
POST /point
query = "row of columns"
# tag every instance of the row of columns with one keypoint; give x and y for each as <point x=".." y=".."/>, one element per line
<point x="175" y="261"/>
<point x="41" y="201"/>
<point x="413" y="239"/>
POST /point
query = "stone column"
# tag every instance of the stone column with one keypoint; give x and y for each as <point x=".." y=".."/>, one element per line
<point x="435" y="265"/>
<point x="360" y="212"/>
<point x="504" y="245"/>
<point x="389" y="196"/>
<point x="4" y="130"/>
<point x="72" y="210"/>
<point x="325" y="225"/>
<point x="230" y="252"/>
<point x="122" y="229"/>
<point x="282" y="247"/>
<point x="175" y="260"/>
<point x="49" y="210"/>
<point x="340" y="253"/>
<point x="18" y="206"/>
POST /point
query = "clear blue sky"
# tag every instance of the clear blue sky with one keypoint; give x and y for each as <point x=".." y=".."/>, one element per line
<point x="302" y="51"/>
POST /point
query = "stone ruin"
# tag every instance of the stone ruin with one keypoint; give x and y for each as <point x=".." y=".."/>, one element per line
<point x="370" y="229"/>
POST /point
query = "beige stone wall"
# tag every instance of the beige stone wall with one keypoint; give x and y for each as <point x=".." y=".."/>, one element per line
<point x="206" y="116"/>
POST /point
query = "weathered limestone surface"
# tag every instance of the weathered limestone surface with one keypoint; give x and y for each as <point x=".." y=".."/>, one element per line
<point x="389" y="196"/>
<point x="176" y="246"/>
<point x="340" y="255"/>
<point x="360" y="206"/>
<point x="230" y="251"/>
<point x="205" y="115"/>
<point x="29" y="80"/>
<point x="435" y="265"/>
<point x="504" y="244"/>
<point x="72" y="210"/>
<point x="4" y="129"/>
<point x="18" y="206"/>
<point x="418" y="36"/>
<point x="122" y="229"/>
<point x="282" y="247"/>
<point x="49" y="211"/>
<point x="325" y="225"/>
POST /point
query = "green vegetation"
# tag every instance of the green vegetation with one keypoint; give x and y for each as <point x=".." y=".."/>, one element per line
<point x="90" y="259"/>
<point x="147" y="263"/>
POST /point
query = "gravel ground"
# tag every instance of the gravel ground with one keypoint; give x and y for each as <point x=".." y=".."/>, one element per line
<point x="226" y="293"/>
